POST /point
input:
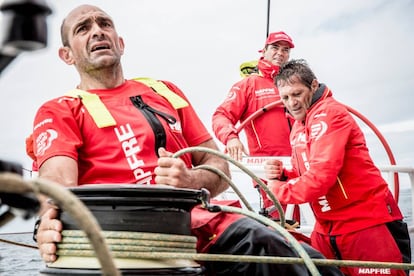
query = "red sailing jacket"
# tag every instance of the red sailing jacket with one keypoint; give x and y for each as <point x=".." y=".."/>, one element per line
<point x="124" y="152"/>
<point x="332" y="169"/>
<point x="268" y="134"/>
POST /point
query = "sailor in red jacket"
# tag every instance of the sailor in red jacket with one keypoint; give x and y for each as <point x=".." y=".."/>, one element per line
<point x="251" y="94"/>
<point x="356" y="215"/>
<point x="268" y="134"/>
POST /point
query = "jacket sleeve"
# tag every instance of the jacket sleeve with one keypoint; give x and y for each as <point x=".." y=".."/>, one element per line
<point x="289" y="173"/>
<point x="229" y="113"/>
<point x="325" y="157"/>
<point x="56" y="130"/>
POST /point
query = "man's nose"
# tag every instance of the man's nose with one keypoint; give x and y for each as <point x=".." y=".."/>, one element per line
<point x="279" y="51"/>
<point x="96" y="30"/>
<point x="292" y="102"/>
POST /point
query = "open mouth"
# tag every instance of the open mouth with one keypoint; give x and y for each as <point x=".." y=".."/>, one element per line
<point x="100" y="47"/>
<point x="295" y="110"/>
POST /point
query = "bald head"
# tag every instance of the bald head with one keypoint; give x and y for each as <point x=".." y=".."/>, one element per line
<point x="75" y="15"/>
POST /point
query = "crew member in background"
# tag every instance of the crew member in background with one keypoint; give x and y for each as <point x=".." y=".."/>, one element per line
<point x="268" y="134"/>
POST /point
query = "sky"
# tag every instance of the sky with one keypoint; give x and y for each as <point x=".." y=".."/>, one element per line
<point x="361" y="49"/>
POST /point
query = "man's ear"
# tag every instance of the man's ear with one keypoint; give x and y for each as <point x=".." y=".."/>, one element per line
<point x="65" y="54"/>
<point x="121" y="45"/>
<point x="314" y="85"/>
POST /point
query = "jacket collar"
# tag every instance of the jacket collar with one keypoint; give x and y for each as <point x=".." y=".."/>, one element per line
<point x="267" y="69"/>
<point x="321" y="93"/>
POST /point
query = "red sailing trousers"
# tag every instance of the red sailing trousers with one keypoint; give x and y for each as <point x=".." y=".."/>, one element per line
<point x="382" y="243"/>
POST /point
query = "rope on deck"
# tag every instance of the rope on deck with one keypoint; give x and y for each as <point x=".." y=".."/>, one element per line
<point x="152" y="252"/>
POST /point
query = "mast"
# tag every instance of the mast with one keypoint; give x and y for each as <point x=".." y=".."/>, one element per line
<point x="268" y="18"/>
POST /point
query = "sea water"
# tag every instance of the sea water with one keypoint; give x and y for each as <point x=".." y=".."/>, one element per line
<point x="18" y="260"/>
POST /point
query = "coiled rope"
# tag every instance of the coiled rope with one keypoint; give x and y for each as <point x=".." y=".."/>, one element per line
<point x="126" y="244"/>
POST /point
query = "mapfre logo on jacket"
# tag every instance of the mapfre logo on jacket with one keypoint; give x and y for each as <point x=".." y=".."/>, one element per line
<point x="317" y="130"/>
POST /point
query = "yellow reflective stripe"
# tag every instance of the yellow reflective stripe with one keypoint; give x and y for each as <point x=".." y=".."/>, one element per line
<point x="95" y="107"/>
<point x="159" y="87"/>
<point x="100" y="113"/>
<point x="342" y="187"/>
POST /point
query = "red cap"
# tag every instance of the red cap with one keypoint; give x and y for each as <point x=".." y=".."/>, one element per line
<point x="278" y="36"/>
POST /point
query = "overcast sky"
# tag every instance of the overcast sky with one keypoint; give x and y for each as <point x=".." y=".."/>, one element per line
<point x="363" y="50"/>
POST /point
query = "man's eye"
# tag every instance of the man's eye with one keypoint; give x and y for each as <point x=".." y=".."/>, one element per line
<point x="106" y="24"/>
<point x="81" y="29"/>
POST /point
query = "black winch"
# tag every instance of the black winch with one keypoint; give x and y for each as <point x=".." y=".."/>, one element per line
<point x="125" y="211"/>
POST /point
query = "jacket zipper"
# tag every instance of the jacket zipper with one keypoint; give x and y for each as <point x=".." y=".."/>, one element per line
<point x="150" y="115"/>
<point x="334" y="245"/>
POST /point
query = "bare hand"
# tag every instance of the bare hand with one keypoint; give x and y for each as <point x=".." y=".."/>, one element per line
<point x="173" y="171"/>
<point x="235" y="149"/>
<point x="273" y="169"/>
<point x="48" y="233"/>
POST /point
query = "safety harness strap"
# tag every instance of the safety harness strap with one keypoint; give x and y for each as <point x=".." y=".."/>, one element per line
<point x="158" y="86"/>
<point x="101" y="114"/>
<point x="95" y="107"/>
